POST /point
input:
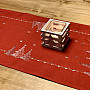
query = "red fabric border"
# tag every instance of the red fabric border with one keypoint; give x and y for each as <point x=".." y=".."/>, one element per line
<point x="13" y="28"/>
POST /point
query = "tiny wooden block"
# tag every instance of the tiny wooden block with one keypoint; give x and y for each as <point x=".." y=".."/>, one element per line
<point x="55" y="34"/>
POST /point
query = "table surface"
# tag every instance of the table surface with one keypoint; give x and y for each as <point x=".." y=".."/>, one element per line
<point x="69" y="10"/>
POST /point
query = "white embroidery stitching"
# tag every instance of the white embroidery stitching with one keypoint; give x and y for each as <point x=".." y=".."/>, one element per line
<point x="43" y="24"/>
<point x="80" y="32"/>
<point x="87" y="51"/>
<point x="27" y="54"/>
<point x="34" y="23"/>
<point x="20" y="54"/>
<point x="86" y="65"/>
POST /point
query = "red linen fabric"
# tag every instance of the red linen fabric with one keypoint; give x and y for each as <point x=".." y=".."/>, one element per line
<point x="70" y="67"/>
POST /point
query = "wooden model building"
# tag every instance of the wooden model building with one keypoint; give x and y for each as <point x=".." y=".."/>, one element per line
<point x="55" y="34"/>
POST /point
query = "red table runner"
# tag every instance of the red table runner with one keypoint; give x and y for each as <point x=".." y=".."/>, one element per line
<point x="20" y="48"/>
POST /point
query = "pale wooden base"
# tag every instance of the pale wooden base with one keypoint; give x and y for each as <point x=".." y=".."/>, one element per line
<point x="11" y="79"/>
<point x="68" y="10"/>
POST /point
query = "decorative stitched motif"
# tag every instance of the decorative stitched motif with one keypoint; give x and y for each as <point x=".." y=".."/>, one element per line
<point x="20" y="54"/>
<point x="86" y="65"/>
<point x="27" y="56"/>
<point x="34" y="23"/>
<point x="80" y="32"/>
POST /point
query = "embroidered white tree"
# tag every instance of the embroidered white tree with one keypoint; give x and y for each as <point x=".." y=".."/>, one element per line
<point x="19" y="53"/>
<point x="11" y="51"/>
<point x="88" y="73"/>
<point x="87" y="51"/>
<point x="39" y="24"/>
<point x="87" y="65"/>
<point x="27" y="56"/>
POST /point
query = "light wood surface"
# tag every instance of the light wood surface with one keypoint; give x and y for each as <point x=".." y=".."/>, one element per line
<point x="69" y="10"/>
<point x="15" y="80"/>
